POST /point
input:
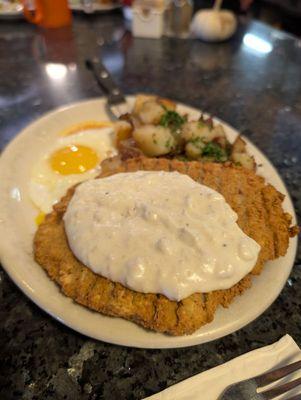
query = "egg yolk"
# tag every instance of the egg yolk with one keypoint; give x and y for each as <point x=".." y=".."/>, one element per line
<point x="40" y="218"/>
<point x="73" y="159"/>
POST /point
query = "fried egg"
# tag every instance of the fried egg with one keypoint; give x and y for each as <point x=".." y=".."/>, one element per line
<point x="72" y="159"/>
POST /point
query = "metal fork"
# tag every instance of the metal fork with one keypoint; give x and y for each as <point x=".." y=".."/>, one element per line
<point x="247" y="390"/>
<point x="116" y="102"/>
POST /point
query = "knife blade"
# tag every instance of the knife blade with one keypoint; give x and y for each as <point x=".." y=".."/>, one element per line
<point x="116" y="101"/>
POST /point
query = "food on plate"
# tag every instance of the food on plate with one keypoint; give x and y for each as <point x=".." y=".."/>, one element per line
<point x="156" y="128"/>
<point x="95" y="4"/>
<point x="158" y="232"/>
<point x="260" y="216"/>
<point x="85" y="126"/>
<point x="11" y="6"/>
<point x="74" y="157"/>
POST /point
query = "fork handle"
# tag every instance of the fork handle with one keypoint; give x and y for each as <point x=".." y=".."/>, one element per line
<point x="105" y="81"/>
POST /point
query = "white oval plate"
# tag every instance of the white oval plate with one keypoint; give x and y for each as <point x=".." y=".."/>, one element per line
<point x="76" y="5"/>
<point x="11" y="10"/>
<point x="17" y="228"/>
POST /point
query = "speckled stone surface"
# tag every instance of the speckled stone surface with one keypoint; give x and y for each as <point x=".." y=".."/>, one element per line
<point x="258" y="93"/>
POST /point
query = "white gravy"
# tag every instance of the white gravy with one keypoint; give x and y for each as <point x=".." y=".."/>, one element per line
<point x="158" y="232"/>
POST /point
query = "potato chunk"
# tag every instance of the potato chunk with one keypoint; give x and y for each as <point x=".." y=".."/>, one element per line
<point x="123" y="131"/>
<point x="194" y="129"/>
<point x="245" y="160"/>
<point x="239" y="145"/>
<point x="151" y="112"/>
<point x="240" y="156"/>
<point x="149" y="109"/>
<point x="140" y="100"/>
<point x="154" y="140"/>
<point x="197" y="129"/>
<point x="194" y="150"/>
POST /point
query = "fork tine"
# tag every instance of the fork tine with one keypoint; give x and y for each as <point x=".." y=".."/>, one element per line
<point x="272" y="393"/>
<point x="279" y="373"/>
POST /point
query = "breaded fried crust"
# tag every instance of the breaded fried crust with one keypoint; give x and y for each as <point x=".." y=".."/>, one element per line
<point x="260" y="215"/>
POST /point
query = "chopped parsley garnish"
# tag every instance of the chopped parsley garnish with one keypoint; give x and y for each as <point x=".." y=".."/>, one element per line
<point x="172" y="120"/>
<point x="214" y="150"/>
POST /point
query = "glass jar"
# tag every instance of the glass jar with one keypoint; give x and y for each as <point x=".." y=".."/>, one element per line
<point x="178" y="18"/>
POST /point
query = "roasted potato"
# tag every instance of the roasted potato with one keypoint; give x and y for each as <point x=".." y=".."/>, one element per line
<point x="195" y="129"/>
<point x="240" y="156"/>
<point x="154" y="140"/>
<point x="245" y="160"/>
<point x="143" y="98"/>
<point x="123" y="131"/>
<point x="239" y="145"/>
<point x="193" y="150"/>
<point x="156" y="129"/>
<point x="151" y="112"/>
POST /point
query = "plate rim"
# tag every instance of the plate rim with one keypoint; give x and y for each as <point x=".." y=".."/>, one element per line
<point x="97" y="8"/>
<point x="16" y="10"/>
<point x="188" y="340"/>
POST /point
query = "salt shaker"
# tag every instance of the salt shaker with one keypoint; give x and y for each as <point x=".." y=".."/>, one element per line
<point x="178" y="18"/>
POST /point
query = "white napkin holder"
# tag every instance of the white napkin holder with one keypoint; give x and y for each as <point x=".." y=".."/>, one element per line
<point x="148" y="22"/>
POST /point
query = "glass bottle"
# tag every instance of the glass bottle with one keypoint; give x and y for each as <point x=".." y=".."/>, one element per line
<point x="178" y="18"/>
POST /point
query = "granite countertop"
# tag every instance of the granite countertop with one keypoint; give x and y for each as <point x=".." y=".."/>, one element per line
<point x="256" y="91"/>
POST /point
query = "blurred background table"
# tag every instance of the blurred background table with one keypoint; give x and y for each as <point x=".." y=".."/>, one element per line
<point x="253" y="84"/>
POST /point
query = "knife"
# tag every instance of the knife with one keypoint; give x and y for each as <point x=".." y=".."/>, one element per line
<point x="116" y="101"/>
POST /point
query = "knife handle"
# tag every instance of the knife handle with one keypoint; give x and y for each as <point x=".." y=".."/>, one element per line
<point x="105" y="81"/>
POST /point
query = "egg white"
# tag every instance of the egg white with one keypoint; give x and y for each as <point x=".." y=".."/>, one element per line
<point x="47" y="187"/>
